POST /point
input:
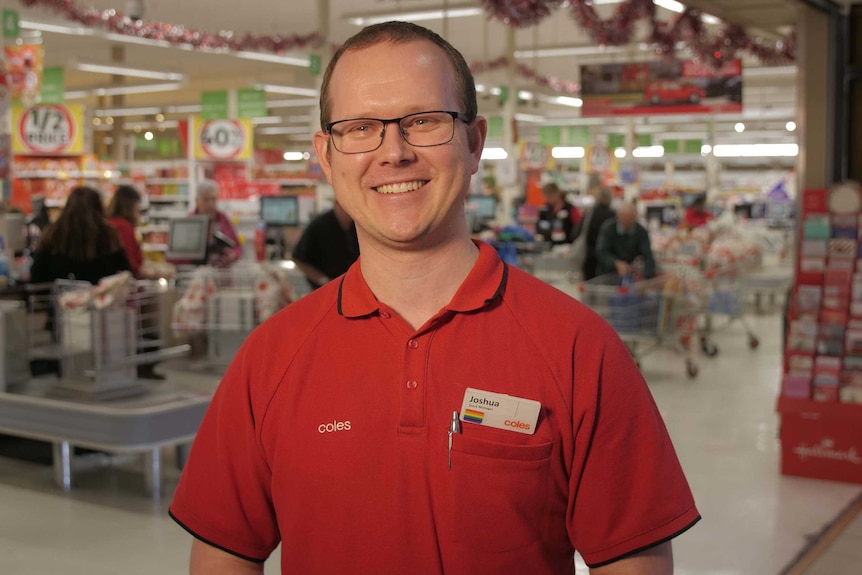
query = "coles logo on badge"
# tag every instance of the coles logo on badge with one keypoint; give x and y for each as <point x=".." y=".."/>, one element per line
<point x="47" y="129"/>
<point x="222" y="139"/>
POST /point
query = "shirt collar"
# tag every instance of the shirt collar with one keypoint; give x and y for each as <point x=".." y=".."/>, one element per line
<point x="485" y="282"/>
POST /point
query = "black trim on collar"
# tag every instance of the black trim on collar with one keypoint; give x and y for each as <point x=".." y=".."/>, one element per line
<point x="502" y="285"/>
<point x="340" y="287"/>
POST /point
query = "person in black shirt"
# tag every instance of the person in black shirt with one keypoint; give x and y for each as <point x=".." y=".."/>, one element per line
<point x="558" y="219"/>
<point x="327" y="247"/>
<point x="601" y="212"/>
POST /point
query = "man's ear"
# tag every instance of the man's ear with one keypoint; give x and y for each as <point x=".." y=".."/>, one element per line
<point x="323" y="151"/>
<point x="478" y="131"/>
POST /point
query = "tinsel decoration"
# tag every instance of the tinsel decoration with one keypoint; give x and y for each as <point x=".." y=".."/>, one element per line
<point x="527" y="73"/>
<point x="119" y="23"/>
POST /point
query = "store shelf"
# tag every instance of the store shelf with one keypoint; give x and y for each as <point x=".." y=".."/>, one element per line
<point x="168" y="198"/>
<point x="58" y="175"/>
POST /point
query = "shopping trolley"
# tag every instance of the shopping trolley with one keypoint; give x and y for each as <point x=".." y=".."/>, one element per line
<point x="96" y="336"/>
<point x="646" y="314"/>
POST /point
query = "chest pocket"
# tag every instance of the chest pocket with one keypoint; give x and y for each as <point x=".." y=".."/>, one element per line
<point x="500" y="492"/>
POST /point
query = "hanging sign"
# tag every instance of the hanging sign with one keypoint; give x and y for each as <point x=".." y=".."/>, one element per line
<point x="48" y="129"/>
<point x="223" y="139"/>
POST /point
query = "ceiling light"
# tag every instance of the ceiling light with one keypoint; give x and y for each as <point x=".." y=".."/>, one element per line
<point x="137" y="89"/>
<point x="267" y="120"/>
<point x="671" y="5"/>
<point x="289" y="90"/>
<point x="125" y="71"/>
<point x="739" y="127"/>
<point x="568" y="51"/>
<point x="494" y="154"/>
<point x="97" y="121"/>
<point x="128" y="111"/>
<point x="567" y="101"/>
<point x="415" y="15"/>
<point x="531" y="118"/>
<point x="710" y="19"/>
<point x="790" y="126"/>
<point x="705" y="150"/>
<point x="55" y="28"/>
<point x="148" y="136"/>
<point x="298" y="103"/>
<point x="75" y="94"/>
<point x="186" y="109"/>
<point x="525" y="95"/>
<point x="755" y="150"/>
<point x="295" y="156"/>
<point x="274" y="58"/>
<point x="567" y="152"/>
<point x="160" y="117"/>
<point x="620" y="153"/>
<point x="648" y="152"/>
<point x="109" y="120"/>
<point x="284" y="130"/>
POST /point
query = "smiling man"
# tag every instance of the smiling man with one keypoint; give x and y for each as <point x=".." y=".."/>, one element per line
<point x="434" y="410"/>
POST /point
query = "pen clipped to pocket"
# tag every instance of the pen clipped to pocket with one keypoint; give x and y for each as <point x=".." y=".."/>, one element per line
<point x="454" y="429"/>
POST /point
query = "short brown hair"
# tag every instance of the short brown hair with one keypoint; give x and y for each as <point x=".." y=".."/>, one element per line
<point x="402" y="33"/>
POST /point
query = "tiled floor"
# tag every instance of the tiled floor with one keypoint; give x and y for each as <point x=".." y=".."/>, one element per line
<point x="844" y="554"/>
<point x="723" y="424"/>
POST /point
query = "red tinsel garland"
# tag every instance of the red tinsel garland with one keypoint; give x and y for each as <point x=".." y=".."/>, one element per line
<point x="118" y="23"/>
<point x="528" y="73"/>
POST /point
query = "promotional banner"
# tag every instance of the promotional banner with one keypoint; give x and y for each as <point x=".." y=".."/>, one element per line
<point x="662" y="87"/>
<point x="226" y="140"/>
<point x="48" y="130"/>
<point x="24" y="72"/>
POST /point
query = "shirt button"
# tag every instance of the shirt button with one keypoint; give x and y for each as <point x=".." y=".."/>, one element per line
<point x="412" y="384"/>
<point x="413" y="344"/>
<point x="385" y="314"/>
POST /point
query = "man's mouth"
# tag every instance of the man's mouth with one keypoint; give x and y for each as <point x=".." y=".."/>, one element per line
<point x="400" y="188"/>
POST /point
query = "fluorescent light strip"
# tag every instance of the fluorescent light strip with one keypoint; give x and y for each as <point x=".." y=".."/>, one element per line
<point x="125" y="71"/>
<point x="494" y="154"/>
<point x="167" y="124"/>
<point x="299" y="103"/>
<point x="75" y="94"/>
<point x="648" y="152"/>
<point x="671" y="5"/>
<point x="185" y="109"/>
<point x="755" y="150"/>
<point x="273" y="58"/>
<point x="285" y="130"/>
<point x="416" y="16"/>
<point x="267" y="120"/>
<point x="139" y="89"/>
<point x="289" y="90"/>
<point x="295" y="156"/>
<point x="567" y="152"/>
<point x="531" y="118"/>
<point x="147" y="111"/>
<point x="55" y="28"/>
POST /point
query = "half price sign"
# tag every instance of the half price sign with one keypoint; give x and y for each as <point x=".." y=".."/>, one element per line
<point x="223" y="139"/>
<point x="51" y="129"/>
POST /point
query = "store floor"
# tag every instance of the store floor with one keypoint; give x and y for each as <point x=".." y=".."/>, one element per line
<point x="755" y="522"/>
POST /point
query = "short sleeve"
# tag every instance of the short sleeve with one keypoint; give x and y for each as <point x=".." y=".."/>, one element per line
<point x="628" y="491"/>
<point x="224" y="496"/>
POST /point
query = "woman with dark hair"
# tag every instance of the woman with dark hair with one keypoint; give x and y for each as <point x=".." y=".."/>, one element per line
<point x="124" y="213"/>
<point x="80" y="245"/>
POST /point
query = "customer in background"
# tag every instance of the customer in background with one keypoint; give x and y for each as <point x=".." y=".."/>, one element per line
<point x="37" y="223"/>
<point x="558" y="219"/>
<point x="601" y="212"/>
<point x="622" y="241"/>
<point x="327" y="247"/>
<point x="224" y="248"/>
<point x="81" y="244"/>
<point x="343" y="431"/>
<point x="124" y="213"/>
<point x="696" y="215"/>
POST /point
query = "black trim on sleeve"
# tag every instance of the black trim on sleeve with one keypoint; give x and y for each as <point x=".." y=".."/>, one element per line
<point x="211" y="544"/>
<point x="645" y="547"/>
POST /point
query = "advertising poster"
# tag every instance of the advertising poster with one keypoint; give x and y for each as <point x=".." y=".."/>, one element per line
<point x="48" y="130"/>
<point x="662" y="87"/>
<point x="24" y="72"/>
<point x="225" y="140"/>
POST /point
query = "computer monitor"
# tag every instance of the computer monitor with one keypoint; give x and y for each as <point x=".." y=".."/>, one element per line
<point x="485" y="207"/>
<point x="279" y="210"/>
<point x="188" y="238"/>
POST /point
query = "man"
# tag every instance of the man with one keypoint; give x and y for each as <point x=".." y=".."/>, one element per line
<point x="224" y="248"/>
<point x="341" y="430"/>
<point x="327" y="247"/>
<point x="621" y="241"/>
<point x="601" y="212"/>
<point x="558" y="219"/>
<point x="696" y="215"/>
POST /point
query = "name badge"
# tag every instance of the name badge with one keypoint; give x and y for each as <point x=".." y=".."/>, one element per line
<point x="500" y="410"/>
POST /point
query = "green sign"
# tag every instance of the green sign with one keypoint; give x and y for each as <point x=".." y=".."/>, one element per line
<point x="10" y="23"/>
<point x="644" y="140"/>
<point x="314" y="64"/>
<point x="670" y="146"/>
<point x="169" y="147"/>
<point x="251" y="103"/>
<point x="214" y="105"/>
<point x="53" y="85"/>
<point x="578" y="136"/>
<point x="616" y="141"/>
<point x="692" y="146"/>
<point x="550" y="135"/>
<point x="504" y="95"/>
<point x="144" y="145"/>
<point x="495" y="126"/>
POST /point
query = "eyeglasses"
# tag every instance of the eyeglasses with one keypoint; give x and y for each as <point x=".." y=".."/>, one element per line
<point x="423" y="130"/>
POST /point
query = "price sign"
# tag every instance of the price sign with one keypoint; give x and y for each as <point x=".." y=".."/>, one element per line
<point x="535" y="155"/>
<point x="52" y="129"/>
<point x="223" y="139"/>
<point x="598" y="159"/>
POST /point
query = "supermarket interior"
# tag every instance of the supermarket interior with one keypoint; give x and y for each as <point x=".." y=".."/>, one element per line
<point x="726" y="129"/>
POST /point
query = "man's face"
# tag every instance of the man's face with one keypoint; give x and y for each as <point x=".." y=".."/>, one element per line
<point x="399" y="195"/>
<point x="626" y="218"/>
<point x="207" y="204"/>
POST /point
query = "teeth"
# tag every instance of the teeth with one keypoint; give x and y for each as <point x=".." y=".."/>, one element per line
<point x="399" y="188"/>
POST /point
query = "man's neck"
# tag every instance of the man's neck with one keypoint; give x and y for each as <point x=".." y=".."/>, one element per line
<point x="417" y="284"/>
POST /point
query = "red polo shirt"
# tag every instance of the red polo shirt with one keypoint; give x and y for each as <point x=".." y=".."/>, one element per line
<point x="329" y="433"/>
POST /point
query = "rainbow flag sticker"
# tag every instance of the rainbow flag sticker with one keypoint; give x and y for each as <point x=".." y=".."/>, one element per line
<point x="473" y="416"/>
